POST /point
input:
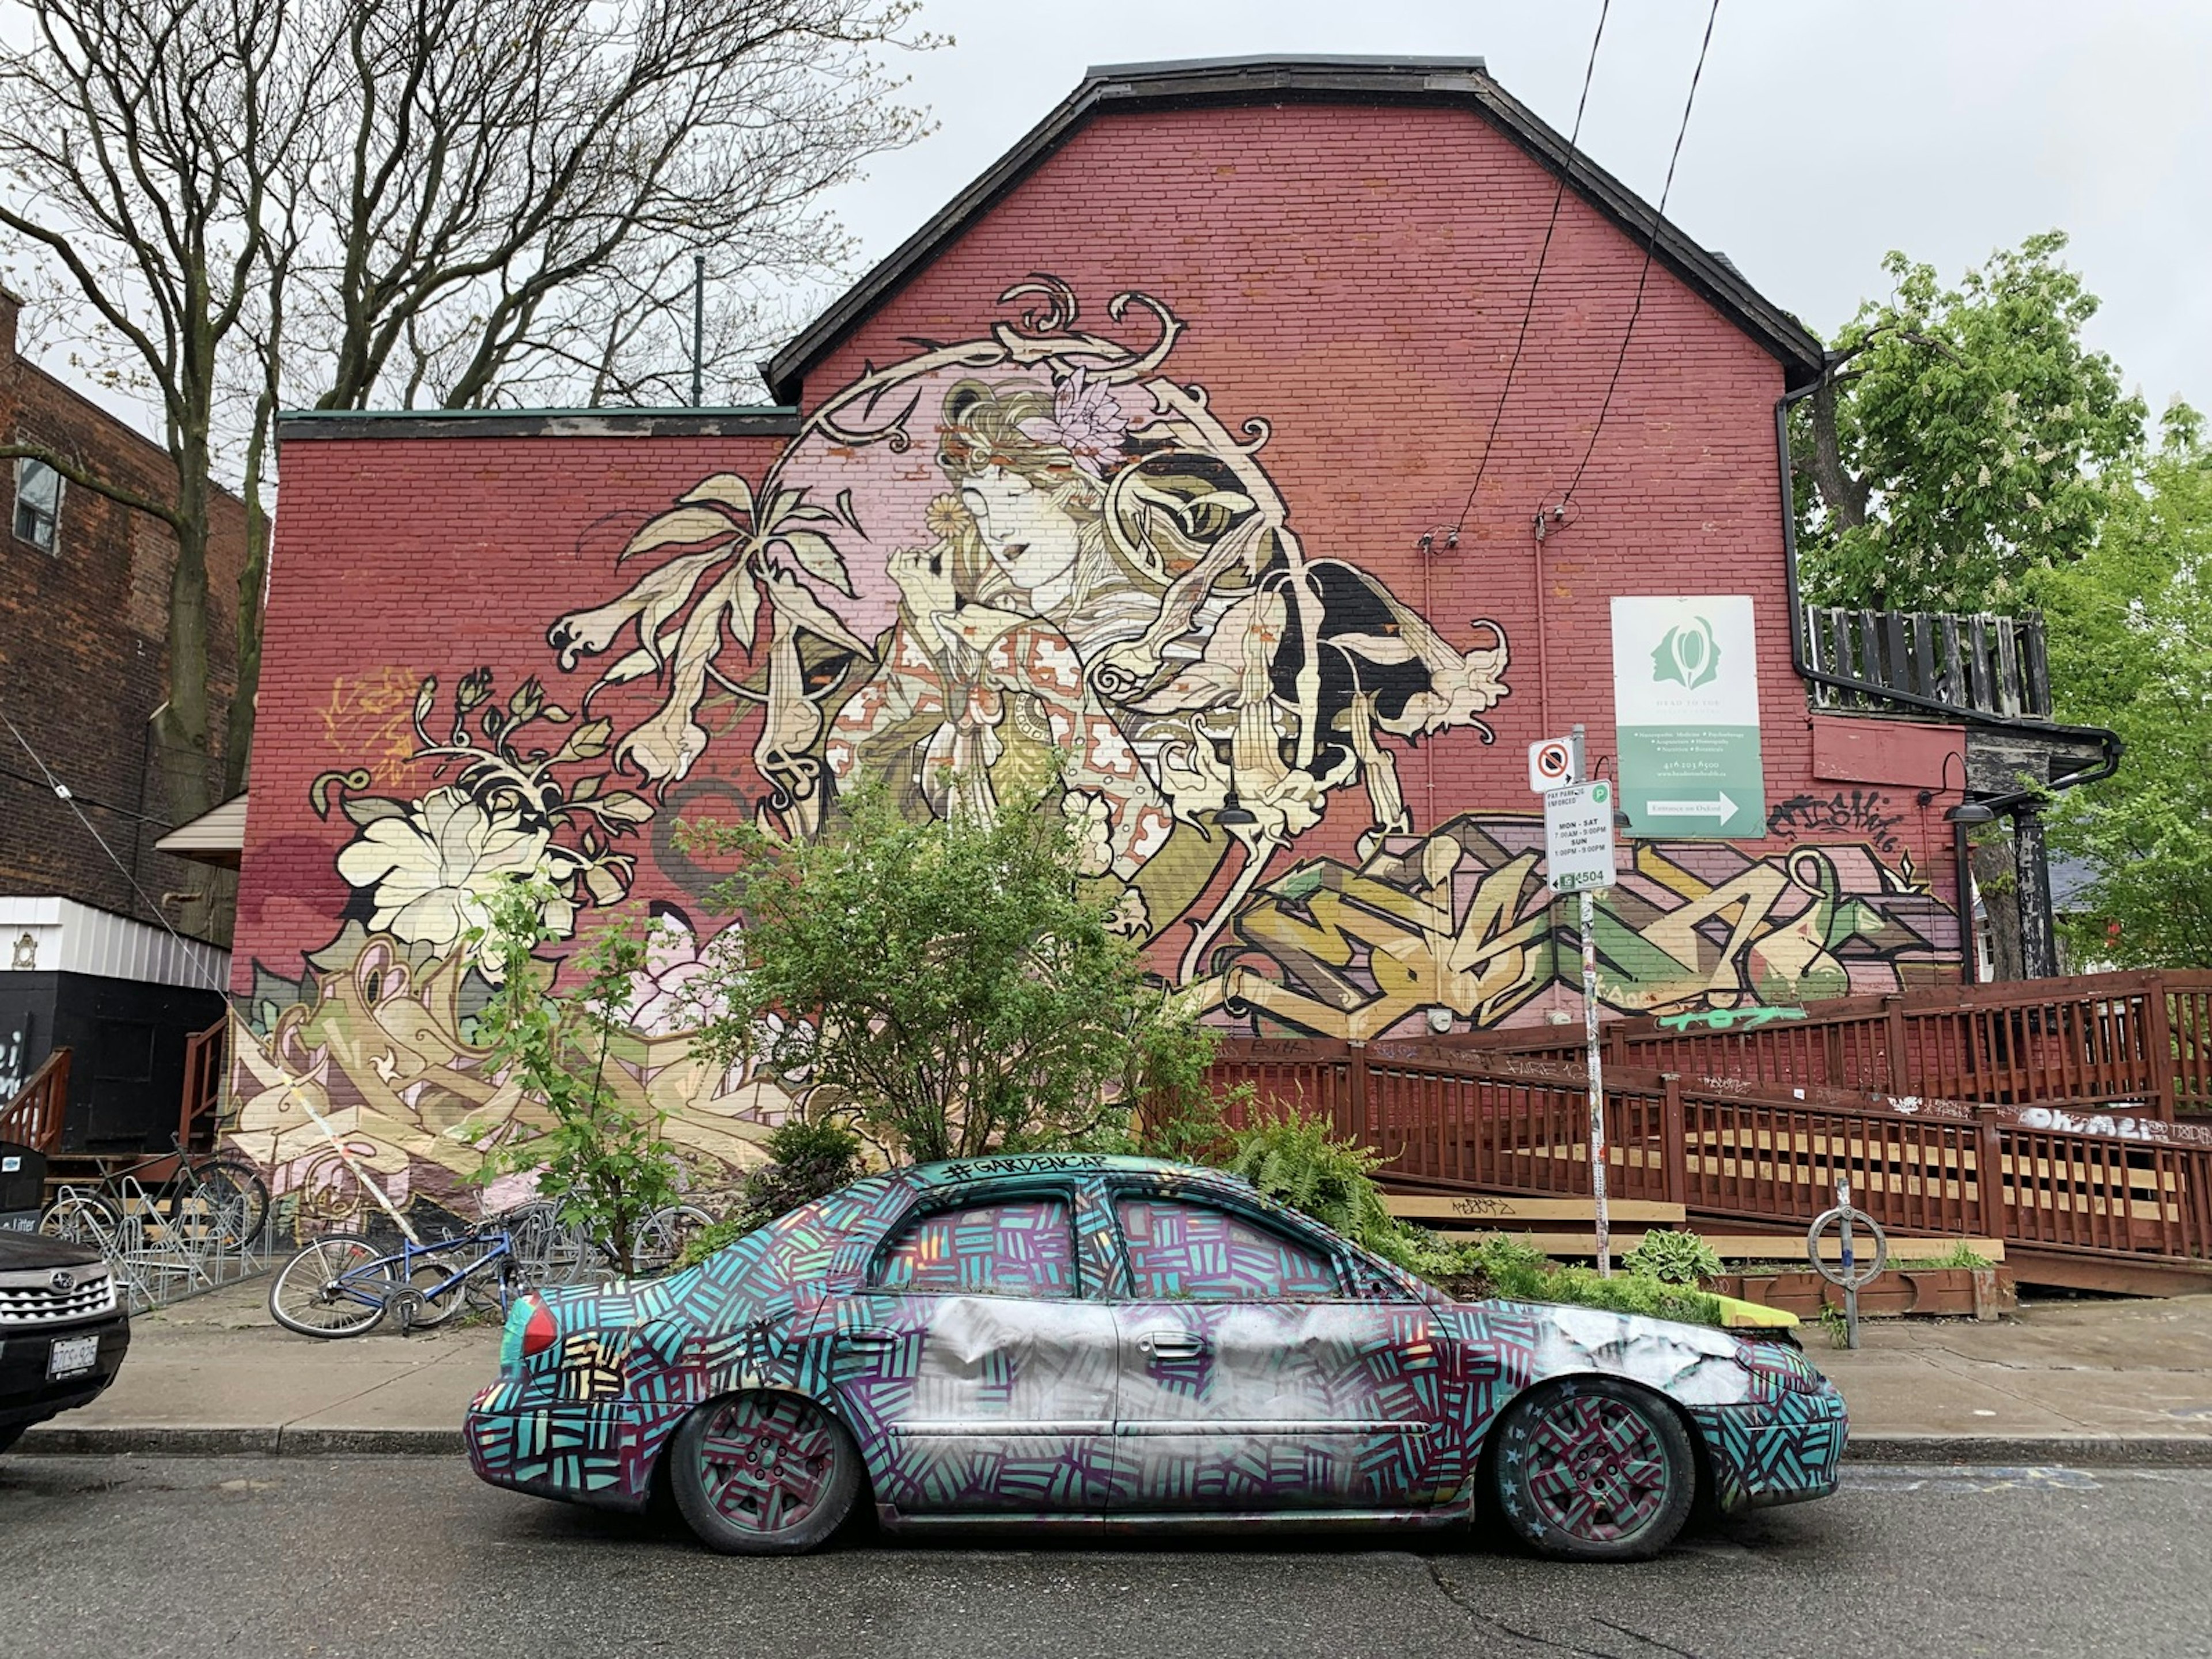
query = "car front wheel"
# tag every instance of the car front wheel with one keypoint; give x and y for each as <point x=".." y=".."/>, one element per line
<point x="763" y="1474"/>
<point x="1592" y="1468"/>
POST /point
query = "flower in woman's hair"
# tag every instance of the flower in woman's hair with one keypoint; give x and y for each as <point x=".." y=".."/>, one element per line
<point x="1086" y="422"/>
<point x="947" y="518"/>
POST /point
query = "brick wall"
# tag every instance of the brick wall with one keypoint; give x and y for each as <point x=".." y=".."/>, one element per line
<point x="83" y="655"/>
<point x="1354" y="277"/>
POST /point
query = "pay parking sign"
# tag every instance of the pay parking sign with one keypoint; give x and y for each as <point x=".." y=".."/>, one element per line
<point x="1578" y="837"/>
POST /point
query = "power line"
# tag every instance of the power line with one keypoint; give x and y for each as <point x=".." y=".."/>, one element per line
<point x="1528" y="306"/>
<point x="104" y="806"/>
<point x="1658" y="218"/>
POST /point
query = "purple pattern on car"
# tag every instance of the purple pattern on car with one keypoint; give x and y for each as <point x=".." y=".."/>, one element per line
<point x="976" y="1327"/>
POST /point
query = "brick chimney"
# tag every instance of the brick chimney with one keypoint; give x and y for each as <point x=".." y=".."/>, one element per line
<point x="10" y="308"/>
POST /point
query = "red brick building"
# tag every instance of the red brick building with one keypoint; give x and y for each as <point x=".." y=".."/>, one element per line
<point x="86" y="960"/>
<point x="1159" y="447"/>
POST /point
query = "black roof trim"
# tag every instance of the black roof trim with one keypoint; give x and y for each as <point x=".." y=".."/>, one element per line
<point x="298" y="425"/>
<point x="1464" y="81"/>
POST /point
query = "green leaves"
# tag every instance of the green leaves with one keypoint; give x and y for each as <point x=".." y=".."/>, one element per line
<point x="1966" y="439"/>
<point x="942" y="979"/>
<point x="601" y="1157"/>
<point x="2130" y="645"/>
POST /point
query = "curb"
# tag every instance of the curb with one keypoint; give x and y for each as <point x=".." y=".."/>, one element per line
<point x="166" y="1440"/>
<point x="125" y="1440"/>
<point x="2084" y="1451"/>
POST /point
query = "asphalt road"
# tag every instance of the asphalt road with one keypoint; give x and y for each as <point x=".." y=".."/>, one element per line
<point x="402" y="1556"/>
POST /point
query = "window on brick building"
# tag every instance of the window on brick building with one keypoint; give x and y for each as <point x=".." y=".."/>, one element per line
<point x="38" y="504"/>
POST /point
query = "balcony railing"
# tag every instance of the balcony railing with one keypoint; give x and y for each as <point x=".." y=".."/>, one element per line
<point x="1995" y="664"/>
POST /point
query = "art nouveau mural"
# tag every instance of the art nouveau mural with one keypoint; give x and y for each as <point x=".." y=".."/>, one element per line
<point x="1031" y="547"/>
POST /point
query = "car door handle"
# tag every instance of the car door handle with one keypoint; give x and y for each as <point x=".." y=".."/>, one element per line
<point x="869" y="1337"/>
<point x="1171" y="1345"/>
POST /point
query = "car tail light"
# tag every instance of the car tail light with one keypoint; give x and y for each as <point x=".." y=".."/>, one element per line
<point x="537" y="1334"/>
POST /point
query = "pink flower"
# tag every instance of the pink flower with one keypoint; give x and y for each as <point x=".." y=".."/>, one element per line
<point x="1086" y="422"/>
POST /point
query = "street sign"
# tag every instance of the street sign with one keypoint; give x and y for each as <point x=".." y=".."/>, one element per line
<point x="1685" y="711"/>
<point x="1578" y="837"/>
<point x="1550" y="764"/>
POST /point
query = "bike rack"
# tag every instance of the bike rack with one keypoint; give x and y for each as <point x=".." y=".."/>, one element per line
<point x="159" y="1256"/>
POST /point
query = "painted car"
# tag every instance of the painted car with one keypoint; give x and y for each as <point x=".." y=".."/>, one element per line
<point x="1076" y="1341"/>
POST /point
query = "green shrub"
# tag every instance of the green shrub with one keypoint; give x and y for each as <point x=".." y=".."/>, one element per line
<point x="1510" y="1269"/>
<point x="1673" y="1258"/>
<point x="810" y="1160"/>
<point x="1961" y="1254"/>
<point x="1295" y="1160"/>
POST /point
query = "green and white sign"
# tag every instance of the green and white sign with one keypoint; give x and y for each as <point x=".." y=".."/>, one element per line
<point x="1686" y="708"/>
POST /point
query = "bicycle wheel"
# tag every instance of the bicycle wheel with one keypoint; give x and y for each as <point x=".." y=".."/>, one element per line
<point x="335" y="1286"/>
<point x="83" y="1220"/>
<point x="438" y="1301"/>
<point x="548" y="1251"/>
<point x="238" y="1198"/>
<point x="661" y="1236"/>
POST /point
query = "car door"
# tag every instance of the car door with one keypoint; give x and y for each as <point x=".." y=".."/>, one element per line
<point x="978" y="1376"/>
<point x="1256" y="1375"/>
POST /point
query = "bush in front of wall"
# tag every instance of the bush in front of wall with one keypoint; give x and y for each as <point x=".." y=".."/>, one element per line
<point x="1673" y="1258"/>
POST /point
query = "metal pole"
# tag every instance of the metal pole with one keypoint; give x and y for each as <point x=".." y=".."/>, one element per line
<point x="698" y="327"/>
<point x="1850" y="1277"/>
<point x="1598" y="1207"/>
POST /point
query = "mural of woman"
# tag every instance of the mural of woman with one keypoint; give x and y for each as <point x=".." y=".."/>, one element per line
<point x="1120" y="583"/>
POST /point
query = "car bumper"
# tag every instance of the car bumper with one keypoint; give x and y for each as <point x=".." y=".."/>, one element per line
<point x="29" y="1394"/>
<point x="1787" y="1450"/>
<point x="599" y="1453"/>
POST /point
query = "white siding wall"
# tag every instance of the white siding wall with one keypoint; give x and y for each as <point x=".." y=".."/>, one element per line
<point x="59" y="935"/>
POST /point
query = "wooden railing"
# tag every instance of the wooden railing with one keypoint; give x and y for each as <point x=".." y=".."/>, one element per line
<point x="1993" y="664"/>
<point x="35" y="1117"/>
<point x="2136" y="1044"/>
<point x="203" y="1090"/>
<point x="1518" y="1124"/>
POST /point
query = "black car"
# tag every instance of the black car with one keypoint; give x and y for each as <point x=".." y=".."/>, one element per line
<point x="63" y="1329"/>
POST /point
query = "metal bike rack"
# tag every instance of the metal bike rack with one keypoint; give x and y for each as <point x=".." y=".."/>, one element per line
<point x="1847" y="1271"/>
<point x="158" y="1256"/>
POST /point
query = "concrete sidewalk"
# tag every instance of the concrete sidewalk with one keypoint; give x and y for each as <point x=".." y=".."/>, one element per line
<point x="2067" y="1382"/>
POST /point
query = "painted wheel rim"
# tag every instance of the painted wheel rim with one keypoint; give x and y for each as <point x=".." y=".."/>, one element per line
<point x="767" y="1461"/>
<point x="1596" y="1469"/>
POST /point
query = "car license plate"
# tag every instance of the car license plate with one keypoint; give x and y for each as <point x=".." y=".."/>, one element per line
<point x="70" y="1356"/>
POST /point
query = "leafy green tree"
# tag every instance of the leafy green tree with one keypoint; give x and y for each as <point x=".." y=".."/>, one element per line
<point x="2130" y="642"/>
<point x="1961" y="439"/>
<point x="809" y="1159"/>
<point x="942" y="979"/>
<point x="603" y="1159"/>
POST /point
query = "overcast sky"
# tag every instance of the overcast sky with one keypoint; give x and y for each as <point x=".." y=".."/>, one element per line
<point x="1824" y="134"/>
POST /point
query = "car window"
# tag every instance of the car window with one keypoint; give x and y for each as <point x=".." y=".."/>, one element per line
<point x="1012" y="1247"/>
<point x="1185" y="1251"/>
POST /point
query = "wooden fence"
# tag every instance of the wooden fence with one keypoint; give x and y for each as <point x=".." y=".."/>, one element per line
<point x="1516" y="1124"/>
<point x="2138" y="1044"/>
<point x="34" y="1117"/>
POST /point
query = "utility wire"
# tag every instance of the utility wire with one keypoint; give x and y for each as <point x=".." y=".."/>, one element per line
<point x="1528" y="306"/>
<point x="1658" y="218"/>
<point x="194" y="950"/>
<point x="161" y="824"/>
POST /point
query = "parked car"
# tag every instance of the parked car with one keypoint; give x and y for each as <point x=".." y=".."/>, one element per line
<point x="1076" y="1341"/>
<point x="63" y="1329"/>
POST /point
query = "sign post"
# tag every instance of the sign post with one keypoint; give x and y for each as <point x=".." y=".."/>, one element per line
<point x="1578" y="858"/>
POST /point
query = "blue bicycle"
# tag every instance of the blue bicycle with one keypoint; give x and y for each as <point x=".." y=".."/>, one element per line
<point x="345" y="1284"/>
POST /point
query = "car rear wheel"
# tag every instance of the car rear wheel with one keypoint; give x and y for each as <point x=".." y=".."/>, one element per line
<point x="1593" y="1468"/>
<point x="763" y="1474"/>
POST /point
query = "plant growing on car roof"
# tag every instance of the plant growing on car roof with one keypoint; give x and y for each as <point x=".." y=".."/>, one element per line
<point x="1673" y="1258"/>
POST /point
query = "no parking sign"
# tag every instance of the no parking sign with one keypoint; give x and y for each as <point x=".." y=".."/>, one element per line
<point x="1550" y="764"/>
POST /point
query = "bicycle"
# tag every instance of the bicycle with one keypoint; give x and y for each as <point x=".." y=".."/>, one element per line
<point x="345" y="1284"/>
<point x="206" y="1197"/>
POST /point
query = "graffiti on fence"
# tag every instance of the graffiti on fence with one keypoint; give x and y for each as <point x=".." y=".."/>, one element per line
<point x="1461" y="921"/>
<point x="1724" y="1019"/>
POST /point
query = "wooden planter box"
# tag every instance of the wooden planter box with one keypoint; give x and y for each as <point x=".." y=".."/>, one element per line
<point x="1955" y="1292"/>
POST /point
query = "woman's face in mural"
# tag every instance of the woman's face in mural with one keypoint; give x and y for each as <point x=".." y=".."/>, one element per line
<point x="1028" y="535"/>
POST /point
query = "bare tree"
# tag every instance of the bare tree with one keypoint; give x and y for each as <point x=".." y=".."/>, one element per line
<point x="251" y="203"/>
<point x="137" y="137"/>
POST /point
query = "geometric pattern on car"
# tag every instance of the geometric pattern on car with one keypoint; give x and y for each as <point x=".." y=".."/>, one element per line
<point x="1015" y="1247"/>
<point x="1194" y="1252"/>
<point x="761" y="1314"/>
